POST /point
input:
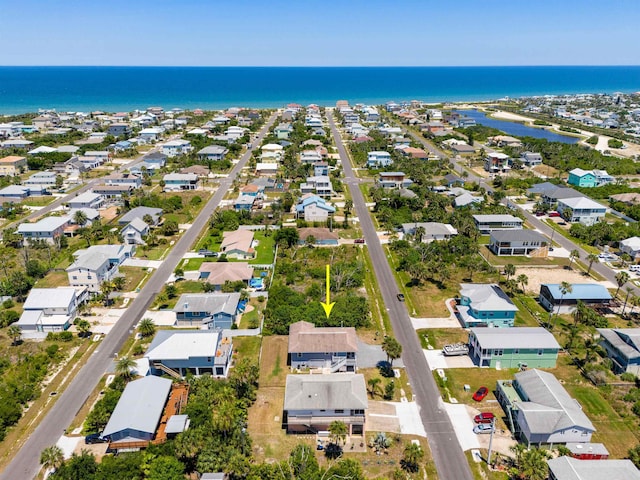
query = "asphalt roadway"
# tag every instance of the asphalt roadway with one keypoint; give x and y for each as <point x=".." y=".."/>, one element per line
<point x="26" y="463"/>
<point x="449" y="458"/>
<point x="599" y="268"/>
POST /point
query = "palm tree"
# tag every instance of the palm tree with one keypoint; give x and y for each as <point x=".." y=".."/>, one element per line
<point x="106" y="288"/>
<point x="629" y="291"/>
<point x="84" y="327"/>
<point x="146" y="327"/>
<point x="374" y="385"/>
<point x="381" y="442"/>
<point x="411" y="457"/>
<point x="14" y="332"/>
<point x="592" y="258"/>
<point x="523" y="280"/>
<point x="80" y="218"/>
<point x="338" y="432"/>
<point x="124" y="367"/>
<point x="509" y="270"/>
<point x="392" y="348"/>
<point x="573" y="256"/>
<point x="565" y="287"/>
<point x="348" y="206"/>
<point x="419" y="234"/>
<point x="621" y="279"/>
<point x="52" y="457"/>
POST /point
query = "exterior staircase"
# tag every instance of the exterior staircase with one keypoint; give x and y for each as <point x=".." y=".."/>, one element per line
<point x="167" y="370"/>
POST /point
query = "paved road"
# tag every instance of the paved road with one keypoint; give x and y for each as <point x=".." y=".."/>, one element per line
<point x="450" y="461"/>
<point x="25" y="463"/>
<point x="600" y="268"/>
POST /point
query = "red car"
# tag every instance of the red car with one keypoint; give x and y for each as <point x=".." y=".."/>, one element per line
<point x="359" y="240"/>
<point x="480" y="394"/>
<point x="554" y="214"/>
<point x="484" y="417"/>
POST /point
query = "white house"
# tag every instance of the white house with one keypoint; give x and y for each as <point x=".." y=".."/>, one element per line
<point x="97" y="264"/>
<point x="378" y="159"/>
<point x="49" y="310"/>
<point x="314" y="209"/>
<point x="180" y="181"/>
<point x="87" y="200"/>
<point x="582" y="209"/>
<point x="134" y="232"/>
<point x="631" y="246"/>
<point x="320" y="185"/>
<point x="46" y="179"/>
<point x="212" y="152"/>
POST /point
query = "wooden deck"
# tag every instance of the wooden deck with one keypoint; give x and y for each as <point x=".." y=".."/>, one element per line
<point x="177" y="400"/>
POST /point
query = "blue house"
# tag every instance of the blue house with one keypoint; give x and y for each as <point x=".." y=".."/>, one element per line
<point x="485" y="305"/>
<point x="582" y="178"/>
<point x="213" y="310"/>
<point x="552" y="298"/>
<point x="199" y="352"/>
<point x="244" y="202"/>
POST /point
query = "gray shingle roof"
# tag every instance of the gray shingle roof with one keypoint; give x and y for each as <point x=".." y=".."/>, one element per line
<point x="211" y="303"/>
<point x="487" y="297"/>
<point x="305" y="337"/>
<point x="140" y="406"/>
<point x="326" y="392"/>
<point x="140" y="212"/>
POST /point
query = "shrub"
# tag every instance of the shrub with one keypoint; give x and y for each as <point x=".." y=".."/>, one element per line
<point x="628" y="377"/>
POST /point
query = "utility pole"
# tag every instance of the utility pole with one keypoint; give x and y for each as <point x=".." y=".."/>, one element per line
<point x="493" y="429"/>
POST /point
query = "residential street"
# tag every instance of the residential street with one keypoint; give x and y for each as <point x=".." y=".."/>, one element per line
<point x="25" y="463"/>
<point x="449" y="459"/>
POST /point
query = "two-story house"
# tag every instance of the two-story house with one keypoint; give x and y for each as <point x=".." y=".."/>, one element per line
<point x="134" y="232"/>
<point x="283" y="131"/>
<point x="174" y="148"/>
<point x="320" y="185"/>
<point x="314" y="209"/>
<point x="123" y="180"/>
<point x="531" y="159"/>
<point x="518" y="242"/>
<point x="589" y="178"/>
<point x="49" y="310"/>
<point x="176" y="182"/>
<point x="210" y="310"/>
<point x="430" y="231"/>
<point x="12" y="165"/>
<point x="49" y="229"/>
<point x="581" y="209"/>
<point x="496" y="162"/>
<point x="212" y="152"/>
<point x="331" y="348"/>
<point x="86" y="200"/>
<point x="489" y="223"/>
<point x="521" y="347"/>
<point x="541" y="412"/>
<point x="312" y="402"/>
<point x="485" y="305"/>
<point x="42" y="179"/>
<point x="96" y="265"/>
<point x="394" y="180"/>
<point x="378" y="159"/>
<point x="553" y="299"/>
<point x="623" y="348"/>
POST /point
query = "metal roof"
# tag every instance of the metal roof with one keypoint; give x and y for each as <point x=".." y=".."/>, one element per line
<point x="48" y="224"/>
<point x="46" y="298"/>
<point x="485" y="297"/>
<point x="547" y="407"/>
<point x="171" y="345"/>
<point x="140" y="212"/>
<point x="515" y="337"/>
<point x="581" y="203"/>
<point x="140" y="406"/>
<point x="567" y="468"/>
<point x="496" y="218"/>
<point x="579" y="291"/>
<point x="336" y="391"/>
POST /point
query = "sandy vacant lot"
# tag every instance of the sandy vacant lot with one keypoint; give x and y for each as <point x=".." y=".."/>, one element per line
<point x="538" y="276"/>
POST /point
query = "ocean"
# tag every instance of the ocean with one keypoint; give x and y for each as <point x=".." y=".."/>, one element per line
<point x="26" y="89"/>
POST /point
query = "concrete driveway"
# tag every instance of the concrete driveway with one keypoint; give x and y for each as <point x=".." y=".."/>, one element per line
<point x="462" y="425"/>
<point x="369" y="356"/>
<point x="137" y="262"/>
<point x="436" y="359"/>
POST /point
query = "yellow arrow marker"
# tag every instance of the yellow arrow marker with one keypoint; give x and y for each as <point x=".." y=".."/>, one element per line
<point x="328" y="305"/>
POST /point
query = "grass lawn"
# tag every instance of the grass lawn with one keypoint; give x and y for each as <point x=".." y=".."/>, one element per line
<point x="247" y="347"/>
<point x="565" y="233"/>
<point x="134" y="276"/>
<point x="520" y="259"/>
<point x="265" y="250"/>
<point x="250" y="319"/>
<point x="481" y="471"/>
<point x="401" y="383"/>
<point x="379" y="315"/>
<point x="53" y="279"/>
<point x="195" y="263"/>
<point x="524" y="317"/>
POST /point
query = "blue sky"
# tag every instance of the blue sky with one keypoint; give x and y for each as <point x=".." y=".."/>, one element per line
<point x="319" y="33"/>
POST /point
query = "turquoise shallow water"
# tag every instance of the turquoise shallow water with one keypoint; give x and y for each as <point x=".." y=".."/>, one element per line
<point x="25" y="89"/>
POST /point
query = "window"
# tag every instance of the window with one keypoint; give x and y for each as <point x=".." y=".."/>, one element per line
<point x="208" y="359"/>
<point x="540" y="351"/>
<point x="299" y="355"/>
<point x="358" y="412"/>
<point x="498" y="352"/>
<point x="516" y="351"/>
<point x="339" y="411"/>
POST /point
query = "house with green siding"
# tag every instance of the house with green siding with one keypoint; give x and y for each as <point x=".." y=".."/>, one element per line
<point x="518" y="347"/>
